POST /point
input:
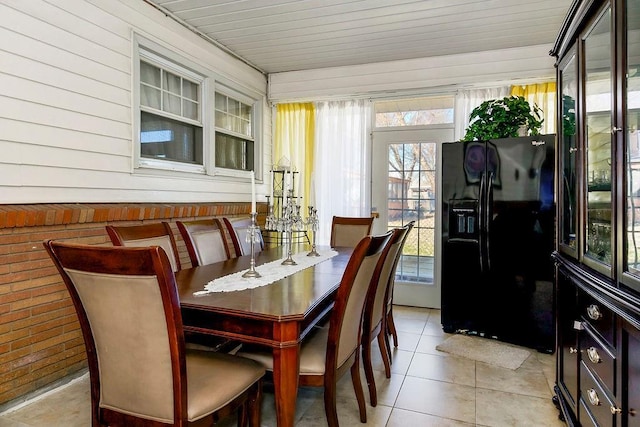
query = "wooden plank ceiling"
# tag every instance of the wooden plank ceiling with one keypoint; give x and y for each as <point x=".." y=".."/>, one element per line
<point x="288" y="35"/>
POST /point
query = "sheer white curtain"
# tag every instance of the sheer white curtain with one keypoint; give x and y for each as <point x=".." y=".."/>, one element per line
<point x="341" y="169"/>
<point x="467" y="100"/>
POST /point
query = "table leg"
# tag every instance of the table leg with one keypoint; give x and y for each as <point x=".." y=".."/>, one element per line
<point x="286" y="366"/>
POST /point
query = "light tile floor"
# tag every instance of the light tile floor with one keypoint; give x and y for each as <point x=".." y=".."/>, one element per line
<point x="426" y="388"/>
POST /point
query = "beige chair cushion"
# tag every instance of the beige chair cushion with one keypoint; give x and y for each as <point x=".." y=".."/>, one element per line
<point x="313" y="354"/>
<point x="348" y="235"/>
<point x="215" y="379"/>
<point x="209" y="247"/>
<point x="163" y="241"/>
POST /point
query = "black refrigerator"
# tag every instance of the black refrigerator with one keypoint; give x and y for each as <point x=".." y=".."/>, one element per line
<point x="498" y="217"/>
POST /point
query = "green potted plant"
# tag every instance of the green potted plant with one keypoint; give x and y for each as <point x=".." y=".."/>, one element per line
<point x="503" y="118"/>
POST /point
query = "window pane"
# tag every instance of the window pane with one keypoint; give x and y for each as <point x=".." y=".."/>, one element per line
<point x="162" y="138"/>
<point x="414" y="112"/>
<point x="150" y="97"/>
<point x="171" y="104"/>
<point x="221" y="102"/>
<point x="234" y="107"/>
<point x="172" y="83"/>
<point x="149" y="74"/>
<point x="233" y="152"/>
<point x="189" y="90"/>
<point x="190" y="110"/>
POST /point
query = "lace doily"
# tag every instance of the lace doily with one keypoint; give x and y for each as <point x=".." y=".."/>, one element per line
<point x="270" y="272"/>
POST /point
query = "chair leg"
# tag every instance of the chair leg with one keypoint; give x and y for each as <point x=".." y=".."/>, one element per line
<point x="368" y="370"/>
<point x="242" y="414"/>
<point x="384" y="352"/>
<point x="357" y="387"/>
<point x="330" y="404"/>
<point x="392" y="328"/>
<point x="255" y="403"/>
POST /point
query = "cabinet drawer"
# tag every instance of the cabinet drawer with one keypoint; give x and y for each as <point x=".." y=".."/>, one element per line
<point x="599" y="317"/>
<point x="594" y="399"/>
<point x="586" y="418"/>
<point x="598" y="358"/>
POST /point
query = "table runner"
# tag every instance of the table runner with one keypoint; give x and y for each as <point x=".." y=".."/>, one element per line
<point x="270" y="272"/>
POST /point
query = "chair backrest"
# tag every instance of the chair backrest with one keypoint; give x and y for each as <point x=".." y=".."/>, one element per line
<point x="392" y="274"/>
<point x="127" y="303"/>
<point x="144" y="235"/>
<point x="348" y="231"/>
<point x="239" y="229"/>
<point x="377" y="297"/>
<point x="205" y="241"/>
<point x="346" y="316"/>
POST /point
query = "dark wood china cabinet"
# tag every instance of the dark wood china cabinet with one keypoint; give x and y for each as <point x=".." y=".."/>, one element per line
<point x="598" y="234"/>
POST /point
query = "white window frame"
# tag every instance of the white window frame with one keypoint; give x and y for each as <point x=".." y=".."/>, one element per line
<point x="210" y="82"/>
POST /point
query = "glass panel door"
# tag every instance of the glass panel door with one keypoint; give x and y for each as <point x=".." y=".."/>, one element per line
<point x="632" y="136"/>
<point x="598" y="105"/>
<point x="405" y="188"/>
<point x="568" y="79"/>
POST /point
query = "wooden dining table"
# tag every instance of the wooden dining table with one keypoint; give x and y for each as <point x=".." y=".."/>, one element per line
<point x="278" y="315"/>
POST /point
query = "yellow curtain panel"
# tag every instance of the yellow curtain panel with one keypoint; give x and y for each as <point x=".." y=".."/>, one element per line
<point x="544" y="96"/>
<point x="293" y="144"/>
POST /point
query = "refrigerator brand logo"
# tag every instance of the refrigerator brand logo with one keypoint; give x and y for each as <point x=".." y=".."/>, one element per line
<point x="537" y="143"/>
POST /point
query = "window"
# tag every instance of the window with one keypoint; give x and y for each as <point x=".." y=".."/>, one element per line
<point x="234" y="133"/>
<point x="414" y="112"/>
<point x="191" y="119"/>
<point x="171" y="125"/>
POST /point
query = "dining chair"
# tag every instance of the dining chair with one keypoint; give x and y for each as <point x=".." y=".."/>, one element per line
<point x="238" y="229"/>
<point x="329" y="352"/>
<point x="390" y="324"/>
<point x="154" y="234"/>
<point x="205" y="240"/>
<point x="375" y="311"/>
<point x="140" y="372"/>
<point x="347" y="231"/>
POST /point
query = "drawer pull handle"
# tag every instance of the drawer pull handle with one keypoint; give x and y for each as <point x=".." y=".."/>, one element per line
<point x="593" y="397"/>
<point x="594" y="312"/>
<point x="573" y="350"/>
<point x="592" y="352"/>
<point x="614" y="410"/>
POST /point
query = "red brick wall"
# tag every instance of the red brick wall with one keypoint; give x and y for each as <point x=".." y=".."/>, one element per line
<point x="40" y="338"/>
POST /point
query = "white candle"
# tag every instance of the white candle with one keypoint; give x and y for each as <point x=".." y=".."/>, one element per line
<point x="253" y="191"/>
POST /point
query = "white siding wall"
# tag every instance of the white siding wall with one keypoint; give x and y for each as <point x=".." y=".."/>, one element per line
<point x="66" y="98"/>
<point x="445" y="73"/>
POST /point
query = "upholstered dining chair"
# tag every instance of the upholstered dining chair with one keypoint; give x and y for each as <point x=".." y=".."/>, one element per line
<point x="327" y="354"/>
<point x="347" y="231"/>
<point x="238" y="229"/>
<point x="154" y="234"/>
<point x="205" y="240"/>
<point x="140" y="373"/>
<point x="390" y="324"/>
<point x="375" y="311"/>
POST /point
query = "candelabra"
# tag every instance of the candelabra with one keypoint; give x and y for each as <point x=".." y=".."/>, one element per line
<point x="292" y="220"/>
<point x="252" y="239"/>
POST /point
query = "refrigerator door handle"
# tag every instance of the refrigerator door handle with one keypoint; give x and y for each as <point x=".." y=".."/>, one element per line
<point x="481" y="214"/>
<point x="488" y="218"/>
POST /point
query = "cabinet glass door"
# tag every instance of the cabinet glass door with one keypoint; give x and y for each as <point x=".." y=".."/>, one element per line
<point x="598" y="106"/>
<point x="632" y="137"/>
<point x="568" y="80"/>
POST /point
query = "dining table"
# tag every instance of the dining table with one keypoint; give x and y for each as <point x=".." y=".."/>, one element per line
<point x="278" y="315"/>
